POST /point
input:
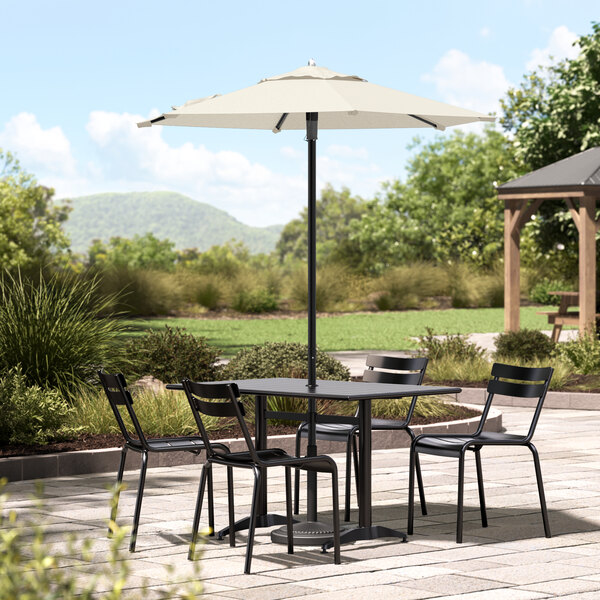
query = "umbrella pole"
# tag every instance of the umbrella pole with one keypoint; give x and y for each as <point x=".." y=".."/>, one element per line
<point x="311" y="138"/>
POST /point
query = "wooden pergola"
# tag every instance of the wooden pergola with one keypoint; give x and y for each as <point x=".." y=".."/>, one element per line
<point x="576" y="180"/>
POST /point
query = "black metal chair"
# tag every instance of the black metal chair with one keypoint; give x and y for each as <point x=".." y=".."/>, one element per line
<point x="121" y="400"/>
<point x="256" y="460"/>
<point x="405" y="371"/>
<point x="533" y="383"/>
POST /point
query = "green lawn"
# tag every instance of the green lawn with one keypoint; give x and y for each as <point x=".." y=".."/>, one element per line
<point x="375" y="331"/>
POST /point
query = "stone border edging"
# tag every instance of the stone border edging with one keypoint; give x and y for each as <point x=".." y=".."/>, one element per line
<point x="103" y="460"/>
<point x="565" y="400"/>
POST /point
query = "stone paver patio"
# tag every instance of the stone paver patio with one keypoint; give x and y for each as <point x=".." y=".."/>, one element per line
<point x="508" y="560"/>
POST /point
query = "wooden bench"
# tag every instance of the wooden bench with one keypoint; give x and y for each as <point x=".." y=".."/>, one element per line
<point x="562" y="316"/>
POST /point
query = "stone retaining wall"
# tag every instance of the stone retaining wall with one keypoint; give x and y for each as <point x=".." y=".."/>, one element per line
<point x="104" y="460"/>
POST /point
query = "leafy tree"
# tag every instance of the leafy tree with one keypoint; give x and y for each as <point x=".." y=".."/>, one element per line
<point x="140" y="252"/>
<point x="30" y="224"/>
<point x="335" y="211"/>
<point x="448" y="208"/>
<point x="554" y="114"/>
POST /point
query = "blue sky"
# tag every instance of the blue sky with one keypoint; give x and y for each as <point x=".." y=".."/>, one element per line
<point x="77" y="75"/>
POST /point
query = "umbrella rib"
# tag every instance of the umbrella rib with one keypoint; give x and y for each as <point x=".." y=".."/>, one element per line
<point x="280" y="123"/>
<point x="431" y="123"/>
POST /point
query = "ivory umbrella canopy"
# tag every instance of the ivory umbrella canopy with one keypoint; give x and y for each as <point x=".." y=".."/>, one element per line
<point x="312" y="98"/>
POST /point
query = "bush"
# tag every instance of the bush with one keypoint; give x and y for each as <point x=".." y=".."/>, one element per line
<point x="141" y="292"/>
<point x="524" y="345"/>
<point x="283" y="359"/>
<point x="204" y="289"/>
<point x="333" y="287"/>
<point x="55" y="330"/>
<point x="473" y="289"/>
<point x="405" y="287"/>
<point x="582" y="353"/>
<point x="172" y="355"/>
<point x="255" y="301"/>
<point x="455" y="347"/>
<point x="539" y="292"/>
<point x="30" y="414"/>
<point x="32" y="567"/>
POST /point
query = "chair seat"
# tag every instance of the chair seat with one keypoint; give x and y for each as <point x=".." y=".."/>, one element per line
<point x="451" y="445"/>
<point x="331" y="432"/>
<point x="387" y="424"/>
<point x="190" y="444"/>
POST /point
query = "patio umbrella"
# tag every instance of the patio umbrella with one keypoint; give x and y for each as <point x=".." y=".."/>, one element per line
<point x="312" y="98"/>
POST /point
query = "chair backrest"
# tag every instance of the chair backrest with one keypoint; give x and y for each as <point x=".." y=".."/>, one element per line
<point x="520" y="382"/>
<point x="398" y="369"/>
<point x="119" y="396"/>
<point x="230" y="407"/>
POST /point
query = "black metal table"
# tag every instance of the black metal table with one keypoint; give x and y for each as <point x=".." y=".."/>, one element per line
<point x="364" y="393"/>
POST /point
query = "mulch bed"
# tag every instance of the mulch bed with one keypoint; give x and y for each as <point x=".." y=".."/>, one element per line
<point x="114" y="440"/>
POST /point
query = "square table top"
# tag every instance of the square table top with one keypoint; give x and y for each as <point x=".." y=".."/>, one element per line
<point x="336" y="390"/>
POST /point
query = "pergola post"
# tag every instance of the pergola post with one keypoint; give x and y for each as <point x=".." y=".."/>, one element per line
<point x="512" y="264"/>
<point x="587" y="264"/>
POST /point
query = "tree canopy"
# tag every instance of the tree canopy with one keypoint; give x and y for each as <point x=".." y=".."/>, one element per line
<point x="335" y="212"/>
<point x="446" y="210"/>
<point x="30" y="224"/>
<point x="555" y="113"/>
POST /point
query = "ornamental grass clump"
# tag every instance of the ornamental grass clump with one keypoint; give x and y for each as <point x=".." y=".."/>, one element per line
<point x="59" y="330"/>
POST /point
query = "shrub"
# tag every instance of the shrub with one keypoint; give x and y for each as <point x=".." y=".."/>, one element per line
<point x="333" y="285"/>
<point x="30" y="414"/>
<point x="539" y="292"/>
<point x="172" y="355"/>
<point x="470" y="288"/>
<point x="405" y="287"/>
<point x="204" y="289"/>
<point x="582" y="353"/>
<point x="455" y="347"/>
<point x="524" y="345"/>
<point x="32" y="567"/>
<point x="256" y="301"/>
<point x="141" y="292"/>
<point x="55" y="330"/>
<point x="283" y="359"/>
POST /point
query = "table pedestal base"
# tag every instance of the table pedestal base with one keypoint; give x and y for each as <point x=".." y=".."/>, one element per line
<point x="261" y="521"/>
<point x="359" y="534"/>
<point x="306" y="533"/>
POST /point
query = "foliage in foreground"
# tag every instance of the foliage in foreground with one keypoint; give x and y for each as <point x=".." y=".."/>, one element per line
<point x="31" y="414"/>
<point x="583" y="354"/>
<point x="171" y="355"/>
<point x="31" y="568"/>
<point x="56" y="330"/>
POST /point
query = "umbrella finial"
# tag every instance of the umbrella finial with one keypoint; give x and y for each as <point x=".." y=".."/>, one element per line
<point x="311" y="62"/>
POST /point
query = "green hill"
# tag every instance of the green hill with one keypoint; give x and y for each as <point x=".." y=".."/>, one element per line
<point x="167" y="215"/>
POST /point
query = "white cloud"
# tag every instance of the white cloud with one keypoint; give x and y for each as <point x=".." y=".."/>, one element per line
<point x="560" y="46"/>
<point x="485" y="32"/>
<point x="37" y="148"/>
<point x="460" y="80"/>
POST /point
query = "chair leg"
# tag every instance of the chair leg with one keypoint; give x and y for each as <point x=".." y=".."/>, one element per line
<point x="459" y="504"/>
<point x="356" y="466"/>
<point x="138" y="502"/>
<point x="419" y="476"/>
<point x="411" y="491"/>
<point x="348" y="477"/>
<point x="420" y="485"/>
<point x="252" y="524"/>
<point x="336" y="519"/>
<point x="115" y="499"/>
<point x="484" y="522"/>
<point x="201" y="486"/>
<point x="288" y="509"/>
<point x="211" y="505"/>
<point x="297" y="477"/>
<point x="231" y="506"/>
<point x="540" y="484"/>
